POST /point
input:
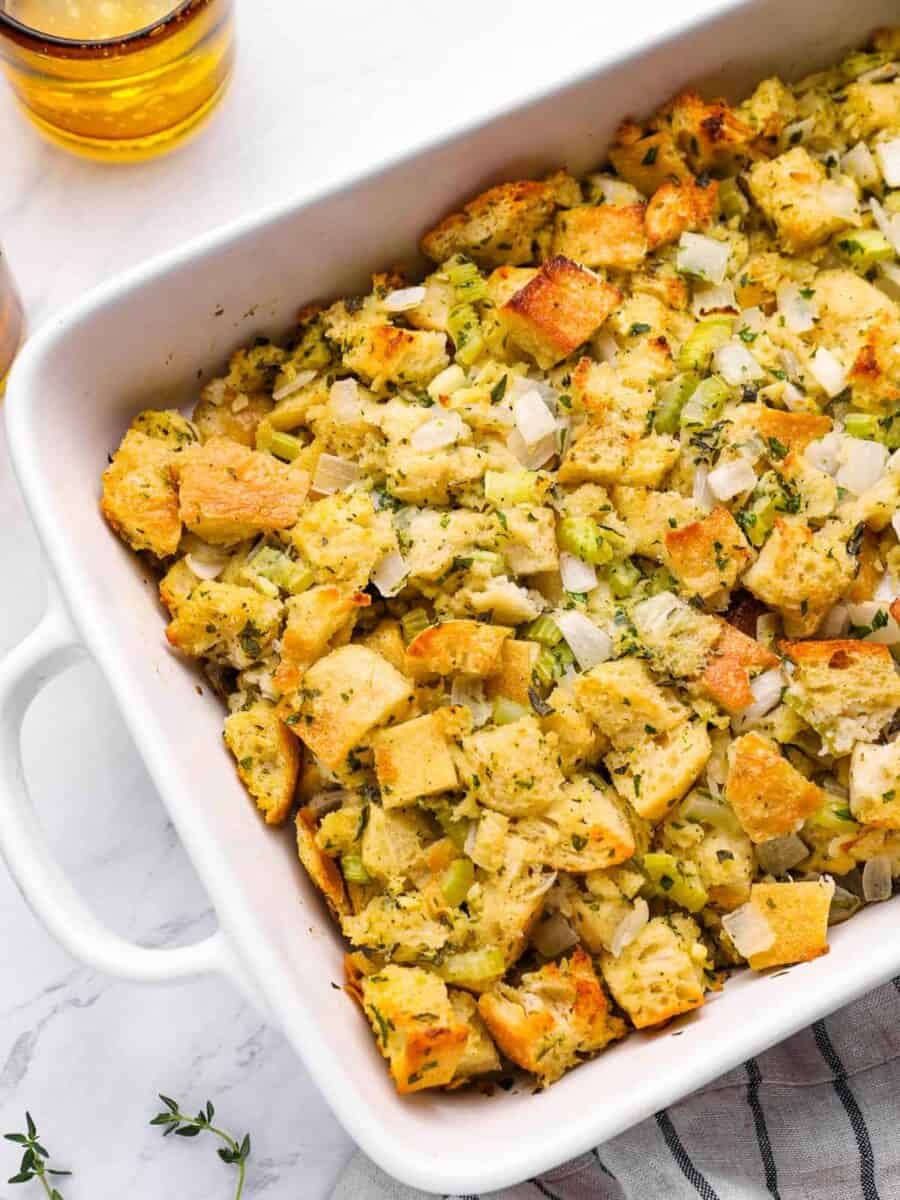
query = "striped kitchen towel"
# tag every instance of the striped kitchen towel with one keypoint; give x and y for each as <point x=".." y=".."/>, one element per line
<point x="815" y="1118"/>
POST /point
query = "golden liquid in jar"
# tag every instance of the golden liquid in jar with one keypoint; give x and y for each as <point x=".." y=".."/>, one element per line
<point x="11" y="321"/>
<point x="117" y="80"/>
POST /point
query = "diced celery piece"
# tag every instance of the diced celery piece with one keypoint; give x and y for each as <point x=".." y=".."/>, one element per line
<point x="892" y="201"/>
<point x="660" y="580"/>
<point x="622" y="578"/>
<point x="584" y="538"/>
<point x="758" y="518"/>
<point x="472" y="966"/>
<point x="283" y="445"/>
<point x="861" y="425"/>
<point x="414" y="622"/>
<point x="467" y="281"/>
<point x="671" y="398"/>
<point x="515" y="487"/>
<point x="545" y="667"/>
<point x="704" y="406"/>
<point x="732" y="201"/>
<point x="563" y="655"/>
<point x="465" y="329"/>
<point x="834" y="816"/>
<point x="704" y="339"/>
<point x="863" y="248"/>
<point x="271" y="569"/>
<point x="672" y="881"/>
<point x="353" y="869"/>
<point x="456" y="881"/>
<point x="544" y="630"/>
<point x="701" y="806"/>
<point x="506" y="711"/>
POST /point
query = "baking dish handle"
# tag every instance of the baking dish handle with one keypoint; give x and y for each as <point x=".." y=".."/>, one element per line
<point x="46" y="652"/>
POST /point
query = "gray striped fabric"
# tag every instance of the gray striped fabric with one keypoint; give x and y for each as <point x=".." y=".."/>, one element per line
<point x="815" y="1118"/>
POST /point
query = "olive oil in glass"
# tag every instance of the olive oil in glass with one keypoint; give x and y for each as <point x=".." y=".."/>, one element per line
<point x="11" y="320"/>
<point x="117" y="80"/>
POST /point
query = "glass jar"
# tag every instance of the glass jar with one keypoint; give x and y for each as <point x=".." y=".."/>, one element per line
<point x="11" y="320"/>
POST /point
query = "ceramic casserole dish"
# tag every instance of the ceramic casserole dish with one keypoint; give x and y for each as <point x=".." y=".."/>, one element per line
<point x="137" y="342"/>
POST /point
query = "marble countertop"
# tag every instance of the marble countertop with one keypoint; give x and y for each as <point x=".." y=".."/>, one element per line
<point x="321" y="90"/>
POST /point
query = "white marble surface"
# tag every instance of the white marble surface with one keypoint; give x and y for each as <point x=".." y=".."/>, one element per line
<point x="322" y="90"/>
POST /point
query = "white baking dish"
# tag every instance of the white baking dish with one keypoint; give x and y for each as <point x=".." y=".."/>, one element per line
<point x="139" y="341"/>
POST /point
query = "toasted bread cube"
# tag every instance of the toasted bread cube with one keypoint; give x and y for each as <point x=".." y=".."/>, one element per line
<point x="708" y="556"/>
<point x="875" y="784"/>
<point x="140" y="499"/>
<point x="177" y="584"/>
<point x="769" y="796"/>
<point x="414" y="759"/>
<point x="392" y="844"/>
<point x="166" y="425"/>
<point x="578" y="738"/>
<point x="434" y="311"/>
<point x="226" y="412"/>
<point x="512" y="678"/>
<point x="480" y="1056"/>
<point x="801" y="573"/>
<point x="647" y="162"/>
<point x="583" y="830"/>
<point x="795" y="430"/>
<point x="344" y="696"/>
<point x="385" y="354"/>
<point x="512" y="768"/>
<point x="660" y="769"/>
<point x="342" y="537"/>
<point x="321" y="868"/>
<point x="676" y="636"/>
<point x="503" y="912"/>
<point x="557" y="310"/>
<point x="502" y="225"/>
<point x="316" y="621"/>
<point x="726" y="676"/>
<point x="606" y="454"/>
<point x="528" y="540"/>
<point x="267" y="756"/>
<point x="650" y="515"/>
<point x="848" y="691"/>
<point x="414" y="1025"/>
<point x="660" y="974"/>
<point x="557" y="1016"/>
<point x="798" y="915"/>
<point x="225" y="623"/>
<point x="604" y="235"/>
<point x="229" y="493"/>
<point x="789" y="189"/>
<point x="708" y="132"/>
<point x="871" y="107"/>
<point x="621" y="699"/>
<point x="875" y="370"/>
<point x="467" y="647"/>
<point x="678" y="207"/>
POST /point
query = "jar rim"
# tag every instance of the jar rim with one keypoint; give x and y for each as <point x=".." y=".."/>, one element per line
<point x="124" y="40"/>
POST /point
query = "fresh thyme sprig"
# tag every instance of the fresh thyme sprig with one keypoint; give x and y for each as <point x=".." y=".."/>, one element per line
<point x="175" y="1121"/>
<point x="34" y="1160"/>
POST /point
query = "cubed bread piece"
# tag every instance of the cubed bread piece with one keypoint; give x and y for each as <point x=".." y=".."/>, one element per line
<point x="798" y="915"/>
<point x="555" y="1018"/>
<point x="734" y="659"/>
<point x="621" y="699"/>
<point x="317" y="620"/>
<point x="583" y="830"/>
<point x="528" y="540"/>
<point x="177" y="584"/>
<point x="480" y="1056"/>
<point x="499" y="226"/>
<point x="557" y="310"/>
<point x="433" y="311"/>
<point x="392" y="845"/>
<point x="777" y="428"/>
<point x="875" y="784"/>
<point x="769" y="796"/>
<point x="848" y="691"/>
<point x="578" y="738"/>
<point x="436" y="538"/>
<point x="869" y="107"/>
<point x="489" y="845"/>
<point x="384" y="354"/>
<point x="342" y="537"/>
<point x="792" y="192"/>
<point x="140" y="499"/>
<point x="414" y="759"/>
<point x="503" y="910"/>
<point x="708" y="132"/>
<point x="724" y="859"/>
<point x="321" y="868"/>
<point x="512" y="678"/>
<point x="225" y="623"/>
<point x="467" y="647"/>
<point x="344" y="696"/>
<point x="646" y="162"/>
<point x="267" y="756"/>
<point x="223" y="411"/>
<point x="228" y="493"/>
<point x="166" y="425"/>
<point x="651" y="515"/>
<point x="708" y="556"/>
<point x="874" y="374"/>
<point x="513" y="768"/>
<point x="604" y="235"/>
<point x="679" y="639"/>
<point x="415" y="1026"/>
<point x="678" y="207"/>
<point x="802" y="573"/>
<point x="660" y="768"/>
<point x="661" y="973"/>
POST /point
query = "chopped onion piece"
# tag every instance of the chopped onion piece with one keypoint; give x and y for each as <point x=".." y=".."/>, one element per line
<point x="390" y="574"/>
<point x="702" y="493"/>
<point x="605" y="347"/>
<point x="439" y="432"/>
<point x="767" y="627"/>
<point x="206" y="564"/>
<point x="862" y="464"/>
<point x="469" y="693"/>
<point x="589" y="644"/>
<point x="874" y="616"/>
<point x="836" y="623"/>
<point x="888" y="280"/>
<point x="713" y="299"/>
<point x="860" y="165"/>
<point x="300" y="380"/>
<point x="652" y="616"/>
<point x="829" y="372"/>
<point x="749" y="930"/>
<point x="840" y="199"/>
<point x="825" y="453"/>
<point x="535" y="457"/>
<point x="876" y="879"/>
<point x="703" y="256"/>
<point x="344" y="400"/>
<point x="615" y="191"/>
<point x="240" y="402"/>
<point x="333" y="474"/>
<point x="888" y="223"/>
<point x="882" y="74"/>
<point x="577" y="575"/>
<point x="753" y="319"/>
<point x="534" y="420"/>
<point x="629" y="927"/>
<point x="522" y="385"/>
<point x="448" y="381"/>
<point x="794" y="400"/>
<point x="887" y="588"/>
<point x="781" y="854"/>
<point x="404" y="299"/>
<point x="731" y="479"/>
<point x="799" y="312"/>
<point x="798" y="131"/>
<point x="766" y="689"/>
<point x="554" y="936"/>
<point x="888" y="155"/>
<point x="736" y="364"/>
